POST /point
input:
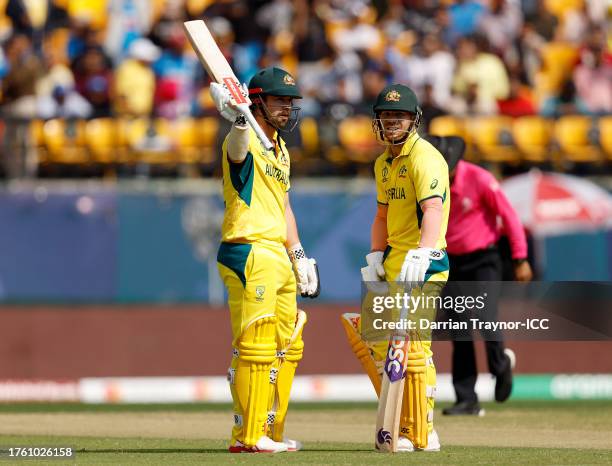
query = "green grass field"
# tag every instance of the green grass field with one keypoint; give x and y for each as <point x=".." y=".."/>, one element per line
<point x="513" y="433"/>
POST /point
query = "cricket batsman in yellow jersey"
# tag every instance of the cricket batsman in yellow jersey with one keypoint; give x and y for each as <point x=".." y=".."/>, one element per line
<point x="407" y="248"/>
<point x="262" y="262"/>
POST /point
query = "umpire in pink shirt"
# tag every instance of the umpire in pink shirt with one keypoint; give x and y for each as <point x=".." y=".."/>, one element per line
<point x="477" y="205"/>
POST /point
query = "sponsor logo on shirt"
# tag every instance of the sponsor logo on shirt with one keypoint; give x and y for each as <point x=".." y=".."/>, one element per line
<point x="433" y="184"/>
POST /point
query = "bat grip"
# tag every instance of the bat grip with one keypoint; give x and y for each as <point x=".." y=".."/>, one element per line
<point x="246" y="111"/>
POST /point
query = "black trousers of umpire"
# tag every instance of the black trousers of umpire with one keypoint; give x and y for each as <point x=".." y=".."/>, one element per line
<point x="482" y="266"/>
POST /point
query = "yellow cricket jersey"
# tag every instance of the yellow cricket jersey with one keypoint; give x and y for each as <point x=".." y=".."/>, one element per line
<point x="254" y="193"/>
<point x="418" y="173"/>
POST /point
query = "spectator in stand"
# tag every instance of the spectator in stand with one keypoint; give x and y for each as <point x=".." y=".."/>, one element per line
<point x="464" y="17"/>
<point x="317" y="85"/>
<point x="18" y="94"/>
<point x="175" y="71"/>
<point x="57" y="72"/>
<point x="94" y="78"/>
<point x="575" y="25"/>
<point x="434" y="68"/>
<point x="429" y="107"/>
<point x="55" y="91"/>
<point x="35" y="19"/>
<point x="375" y="78"/>
<point x="63" y="102"/>
<point x="520" y="101"/>
<point x="276" y="16"/>
<point x="134" y="91"/>
<point x="128" y="20"/>
<point x="82" y="37"/>
<point x="529" y="46"/>
<point x="544" y="22"/>
<point x="501" y="24"/>
<point x="593" y="80"/>
<point x="250" y="36"/>
<point x="566" y="102"/>
<point x="481" y="78"/>
<point x="309" y="28"/>
<point x="420" y="16"/>
<point x="360" y="35"/>
<point x="19" y="84"/>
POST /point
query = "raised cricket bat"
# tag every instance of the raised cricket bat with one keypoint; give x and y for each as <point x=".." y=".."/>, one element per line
<point x="219" y="70"/>
<point x="392" y="390"/>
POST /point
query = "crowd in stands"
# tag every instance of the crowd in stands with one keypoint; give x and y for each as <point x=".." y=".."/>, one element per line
<point x="130" y="58"/>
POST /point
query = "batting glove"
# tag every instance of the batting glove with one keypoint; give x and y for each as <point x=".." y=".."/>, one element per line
<point x="222" y="99"/>
<point x="306" y="272"/>
<point x="416" y="263"/>
<point x="374" y="271"/>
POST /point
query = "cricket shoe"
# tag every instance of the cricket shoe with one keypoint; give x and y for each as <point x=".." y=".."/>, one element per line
<point x="404" y="444"/>
<point x="292" y="445"/>
<point x="433" y="442"/>
<point x="264" y="445"/>
<point x="464" y="408"/>
<point x="503" y="382"/>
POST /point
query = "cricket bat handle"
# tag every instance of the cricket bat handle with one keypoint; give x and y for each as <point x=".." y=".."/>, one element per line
<point x="246" y="111"/>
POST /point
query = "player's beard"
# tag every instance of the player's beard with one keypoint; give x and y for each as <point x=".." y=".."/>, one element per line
<point x="284" y="124"/>
<point x="390" y="137"/>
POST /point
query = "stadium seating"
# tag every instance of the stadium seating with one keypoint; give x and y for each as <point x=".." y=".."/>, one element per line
<point x="310" y="136"/>
<point x="207" y="130"/>
<point x="65" y="142"/>
<point x="453" y="126"/>
<point x="533" y="138"/>
<point x="492" y="139"/>
<point x="37" y="140"/>
<point x="102" y="140"/>
<point x="151" y="141"/>
<point x="605" y="135"/>
<point x="574" y="135"/>
<point x="357" y="138"/>
<point x="189" y="142"/>
<point x="558" y="60"/>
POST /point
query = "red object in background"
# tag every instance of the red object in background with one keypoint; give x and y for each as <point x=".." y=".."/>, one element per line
<point x="551" y="203"/>
<point x="521" y="105"/>
<point x="167" y="90"/>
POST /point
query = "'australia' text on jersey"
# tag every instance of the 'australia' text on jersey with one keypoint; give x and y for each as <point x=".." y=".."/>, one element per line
<point x="277" y="173"/>
<point x="396" y="193"/>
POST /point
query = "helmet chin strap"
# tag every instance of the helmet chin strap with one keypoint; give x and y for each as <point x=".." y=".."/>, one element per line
<point x="380" y="132"/>
<point x="267" y="116"/>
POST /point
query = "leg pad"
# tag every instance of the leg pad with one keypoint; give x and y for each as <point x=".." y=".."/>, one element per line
<point x="250" y="370"/>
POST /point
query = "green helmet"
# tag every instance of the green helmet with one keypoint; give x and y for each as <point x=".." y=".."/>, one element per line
<point x="273" y="81"/>
<point x="397" y="97"/>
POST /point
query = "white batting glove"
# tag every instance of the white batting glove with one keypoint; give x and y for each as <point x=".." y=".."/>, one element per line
<point x="222" y="99"/>
<point x="375" y="271"/>
<point x="416" y="263"/>
<point x="306" y="272"/>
